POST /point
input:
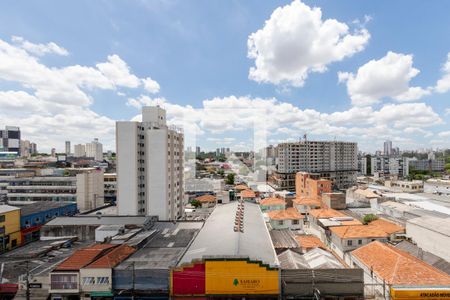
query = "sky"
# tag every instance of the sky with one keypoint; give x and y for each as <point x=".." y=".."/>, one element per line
<point x="231" y="73"/>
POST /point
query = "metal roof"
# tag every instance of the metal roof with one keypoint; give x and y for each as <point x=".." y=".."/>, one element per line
<point x="99" y="220"/>
<point x="218" y="239"/>
<point x="7" y="208"/>
<point x="283" y="238"/>
<point x="28" y="208"/>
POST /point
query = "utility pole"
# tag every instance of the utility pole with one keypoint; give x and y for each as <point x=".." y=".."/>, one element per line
<point x="27" y="281"/>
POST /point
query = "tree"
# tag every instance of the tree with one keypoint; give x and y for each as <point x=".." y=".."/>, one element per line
<point x="230" y="179"/>
<point x="196" y="203"/>
<point x="369" y="218"/>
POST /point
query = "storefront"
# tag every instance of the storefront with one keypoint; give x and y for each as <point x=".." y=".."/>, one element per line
<point x="425" y="293"/>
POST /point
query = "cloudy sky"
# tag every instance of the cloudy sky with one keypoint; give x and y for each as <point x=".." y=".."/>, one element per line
<point x="229" y="72"/>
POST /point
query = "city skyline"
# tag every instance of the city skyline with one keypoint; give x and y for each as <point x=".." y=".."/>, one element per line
<point x="217" y="70"/>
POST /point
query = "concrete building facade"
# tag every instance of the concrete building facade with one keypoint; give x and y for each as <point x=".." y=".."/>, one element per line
<point x="150" y="166"/>
<point x="95" y="150"/>
<point x="90" y="190"/>
<point x="333" y="160"/>
<point x="10" y="139"/>
<point x="80" y="150"/>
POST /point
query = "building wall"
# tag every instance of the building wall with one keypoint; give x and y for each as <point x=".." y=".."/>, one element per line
<point x="11" y="227"/>
<point x="188" y="280"/>
<point x="90" y="190"/>
<point x="429" y="240"/>
<point x="341" y="246"/>
<point x="64" y="282"/>
<point x="287" y="224"/>
<point x="334" y="200"/>
<point x="127" y="168"/>
<point x="99" y="284"/>
<point x="265" y="208"/>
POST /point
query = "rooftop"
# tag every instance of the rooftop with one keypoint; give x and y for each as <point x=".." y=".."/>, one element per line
<point x="399" y="267"/>
<point x="440" y="225"/>
<point x="206" y="198"/>
<point x="314" y="259"/>
<point x="113" y="257"/>
<point x="290" y="213"/>
<point x="387" y="226"/>
<point x="4" y="208"/>
<point x="367" y="193"/>
<point x="307" y="201"/>
<point x="218" y="238"/>
<point x="29" y="208"/>
<point x="99" y="220"/>
<point x="247" y="194"/>
<point x="358" y="231"/>
<point x="309" y="242"/>
<point x="241" y="187"/>
<point x="272" y="201"/>
<point x="324" y="213"/>
<point x="283" y="238"/>
<point x="83" y="257"/>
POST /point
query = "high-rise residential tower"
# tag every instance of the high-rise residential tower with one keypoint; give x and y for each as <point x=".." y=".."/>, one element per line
<point x="10" y="139"/>
<point x="79" y="150"/>
<point x="387" y="148"/>
<point x="150" y="166"/>
<point x="67" y="147"/>
<point x="95" y="150"/>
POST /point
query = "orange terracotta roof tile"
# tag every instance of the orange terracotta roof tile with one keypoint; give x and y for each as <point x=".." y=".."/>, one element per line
<point x="272" y="201"/>
<point x="307" y="202"/>
<point x="206" y="198"/>
<point x="286" y="214"/>
<point x="398" y="267"/>
<point x="309" y="242"/>
<point x="241" y="187"/>
<point x="248" y="194"/>
<point x="325" y="213"/>
<point x="83" y="257"/>
<point x="113" y="257"/>
<point x="387" y="226"/>
<point x="358" y="231"/>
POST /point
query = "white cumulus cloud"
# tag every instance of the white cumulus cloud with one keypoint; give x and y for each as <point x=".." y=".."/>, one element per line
<point x="296" y="41"/>
<point x="389" y="76"/>
<point x="39" y="49"/>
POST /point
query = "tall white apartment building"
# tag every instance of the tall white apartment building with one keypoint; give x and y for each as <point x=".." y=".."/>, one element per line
<point x="387" y="148"/>
<point x="79" y="150"/>
<point x="150" y="166"/>
<point x="90" y="190"/>
<point x="95" y="150"/>
<point x="337" y="161"/>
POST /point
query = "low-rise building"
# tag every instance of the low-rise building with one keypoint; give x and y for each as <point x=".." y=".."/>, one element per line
<point x="304" y="205"/>
<point x="42" y="188"/>
<point x="415" y="186"/>
<point x="334" y="200"/>
<point x="65" y="277"/>
<point x="248" y="196"/>
<point x="431" y="233"/>
<point x="9" y="227"/>
<point x="96" y="278"/>
<point x="349" y="238"/>
<point x="272" y="203"/>
<point x="309" y="242"/>
<point x="207" y="200"/>
<point x="288" y="218"/>
<point x="386" y="267"/>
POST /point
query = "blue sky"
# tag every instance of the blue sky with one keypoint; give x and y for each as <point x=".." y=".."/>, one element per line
<point x="199" y="50"/>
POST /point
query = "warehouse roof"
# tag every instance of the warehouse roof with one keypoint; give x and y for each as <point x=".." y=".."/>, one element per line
<point x="40" y="206"/>
<point x="283" y="238"/>
<point x="440" y="225"/>
<point x="314" y="259"/>
<point x="218" y="238"/>
<point x="99" y="220"/>
<point x="399" y="267"/>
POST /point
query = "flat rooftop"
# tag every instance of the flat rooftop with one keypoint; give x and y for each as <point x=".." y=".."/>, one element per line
<point x="218" y="239"/>
<point x="29" y="208"/>
<point x="164" y="248"/>
<point x="99" y="220"/>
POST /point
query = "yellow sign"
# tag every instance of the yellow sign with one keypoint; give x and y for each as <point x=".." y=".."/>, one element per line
<point x="404" y="293"/>
<point x="240" y="277"/>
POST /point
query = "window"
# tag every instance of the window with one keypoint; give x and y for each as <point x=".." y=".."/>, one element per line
<point x="281" y="222"/>
<point x="2" y="218"/>
<point x="63" y="281"/>
<point x="359" y="242"/>
<point x="295" y="222"/>
<point x="103" y="280"/>
<point x="88" y="280"/>
<point x="349" y="242"/>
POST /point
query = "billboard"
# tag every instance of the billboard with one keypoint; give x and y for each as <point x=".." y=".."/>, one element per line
<point x="242" y="277"/>
<point x="427" y="293"/>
